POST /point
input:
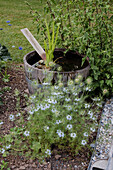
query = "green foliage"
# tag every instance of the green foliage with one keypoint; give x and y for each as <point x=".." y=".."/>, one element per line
<point x="4" y="165"/>
<point x="85" y="26"/>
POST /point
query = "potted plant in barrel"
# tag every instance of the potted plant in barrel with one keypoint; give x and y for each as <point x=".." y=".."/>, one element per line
<point x="45" y="66"/>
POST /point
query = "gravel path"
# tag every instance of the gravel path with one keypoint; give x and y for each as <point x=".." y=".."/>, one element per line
<point x="104" y="139"/>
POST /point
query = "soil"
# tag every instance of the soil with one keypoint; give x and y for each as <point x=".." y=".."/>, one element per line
<point x="69" y="61"/>
<point x="58" y="160"/>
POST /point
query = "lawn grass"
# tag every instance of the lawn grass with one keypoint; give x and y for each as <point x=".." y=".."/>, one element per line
<point x="18" y="13"/>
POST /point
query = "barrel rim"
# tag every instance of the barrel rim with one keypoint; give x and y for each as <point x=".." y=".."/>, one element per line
<point x="55" y="72"/>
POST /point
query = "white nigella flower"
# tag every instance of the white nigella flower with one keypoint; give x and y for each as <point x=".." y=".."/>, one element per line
<point x="58" y="121"/>
<point x="90" y="113"/>
<point x="88" y="89"/>
<point x="56" y="87"/>
<point x="56" y="112"/>
<point x="42" y="107"/>
<point x="48" y="152"/>
<point x="69" y="126"/>
<point x="87" y="105"/>
<point x="96" y="99"/>
<point x="1" y="123"/>
<point x="69" y="107"/>
<point x="47" y="106"/>
<point x="18" y="114"/>
<point x="92" y="129"/>
<point x="31" y="112"/>
<point x="65" y="90"/>
<point x="58" y="93"/>
<point x="60" y="133"/>
<point x="98" y="104"/>
<point x="26" y="133"/>
<point x="46" y="84"/>
<point x="52" y="101"/>
<point x="73" y="135"/>
<point x="46" y="128"/>
<point x="77" y="99"/>
<point x="11" y="117"/>
<point x="86" y="134"/>
<point x="75" y="94"/>
<point x="32" y="97"/>
<point x="8" y="147"/>
<point x="83" y="142"/>
<point x="93" y="118"/>
<point x="2" y="150"/>
<point x="67" y="99"/>
<point x="69" y="117"/>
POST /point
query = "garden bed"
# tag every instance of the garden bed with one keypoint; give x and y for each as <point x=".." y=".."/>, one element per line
<point x="58" y="159"/>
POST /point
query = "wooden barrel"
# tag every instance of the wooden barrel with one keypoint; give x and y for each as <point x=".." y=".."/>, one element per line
<point x="36" y="77"/>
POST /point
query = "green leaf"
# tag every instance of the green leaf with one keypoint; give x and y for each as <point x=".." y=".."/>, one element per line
<point x="36" y="146"/>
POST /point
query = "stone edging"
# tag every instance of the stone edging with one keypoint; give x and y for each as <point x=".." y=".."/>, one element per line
<point x="103" y="151"/>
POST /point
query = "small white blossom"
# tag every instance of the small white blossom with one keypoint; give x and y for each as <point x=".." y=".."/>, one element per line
<point x="67" y="99"/>
<point x="56" y="87"/>
<point x="96" y="99"/>
<point x="56" y="112"/>
<point x="46" y="128"/>
<point x="18" y="114"/>
<point x="47" y="106"/>
<point x="58" y="121"/>
<point x="83" y="142"/>
<point x="88" y="89"/>
<point x="31" y="112"/>
<point x="48" y="152"/>
<point x="69" y="117"/>
<point x="52" y="101"/>
<point x="65" y="90"/>
<point x="2" y="150"/>
<point x="56" y="94"/>
<point x="87" y="105"/>
<point x="46" y="84"/>
<point x="69" y="107"/>
<point x="11" y="117"/>
<point x="26" y="133"/>
<point x="69" y="126"/>
<point x="98" y="104"/>
<point x="8" y="147"/>
<point x="60" y="134"/>
<point x="92" y="129"/>
<point x="77" y="99"/>
<point x="86" y="134"/>
<point x="73" y="135"/>
<point x="75" y="94"/>
<point x="1" y="123"/>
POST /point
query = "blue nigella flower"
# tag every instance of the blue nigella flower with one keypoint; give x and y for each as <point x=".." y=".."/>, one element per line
<point x="10" y="24"/>
<point x="20" y="48"/>
<point x="8" y="21"/>
<point x="1" y="28"/>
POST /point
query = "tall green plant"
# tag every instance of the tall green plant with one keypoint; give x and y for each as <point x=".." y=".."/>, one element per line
<point x="51" y="44"/>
